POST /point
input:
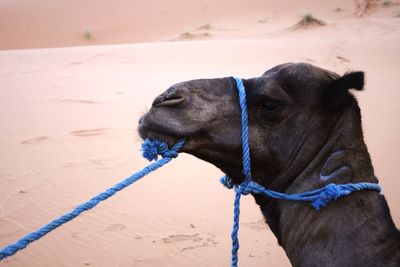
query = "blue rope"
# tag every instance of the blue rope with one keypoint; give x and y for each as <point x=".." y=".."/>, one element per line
<point x="245" y="130"/>
<point x="150" y="150"/>
<point x="319" y="197"/>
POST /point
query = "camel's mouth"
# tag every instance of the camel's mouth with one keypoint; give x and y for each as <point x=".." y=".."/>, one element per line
<point x="157" y="132"/>
<point x="164" y="124"/>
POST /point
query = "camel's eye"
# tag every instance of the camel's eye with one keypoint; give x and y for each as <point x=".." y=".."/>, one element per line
<point x="272" y="105"/>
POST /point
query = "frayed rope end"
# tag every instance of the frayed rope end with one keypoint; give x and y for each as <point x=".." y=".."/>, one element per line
<point x="227" y="182"/>
<point x="149" y="150"/>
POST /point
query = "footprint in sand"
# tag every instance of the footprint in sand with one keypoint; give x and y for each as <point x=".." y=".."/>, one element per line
<point x="74" y="234"/>
<point x="211" y="239"/>
<point x="90" y="132"/>
<point x="343" y="59"/>
<point x="198" y="241"/>
<point x="115" y="227"/>
<point x="73" y="63"/>
<point x="35" y="140"/>
<point x="181" y="237"/>
<point x="72" y="100"/>
<point x="193" y="247"/>
<point x="101" y="163"/>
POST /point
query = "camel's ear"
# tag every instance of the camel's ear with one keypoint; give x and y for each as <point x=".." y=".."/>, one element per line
<point x="337" y="96"/>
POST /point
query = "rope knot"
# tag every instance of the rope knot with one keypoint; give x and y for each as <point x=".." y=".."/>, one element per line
<point x="244" y="188"/>
<point x="152" y="148"/>
<point x="330" y="192"/>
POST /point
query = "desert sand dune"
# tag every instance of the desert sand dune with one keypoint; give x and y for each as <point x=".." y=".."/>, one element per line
<point x="69" y="115"/>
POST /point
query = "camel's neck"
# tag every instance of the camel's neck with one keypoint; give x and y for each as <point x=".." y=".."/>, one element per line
<point x="348" y="232"/>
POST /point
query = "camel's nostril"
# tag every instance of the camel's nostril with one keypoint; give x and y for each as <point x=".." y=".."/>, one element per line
<point x="167" y="101"/>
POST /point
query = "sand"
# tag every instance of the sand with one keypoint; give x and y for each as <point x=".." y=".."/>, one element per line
<point x="69" y="110"/>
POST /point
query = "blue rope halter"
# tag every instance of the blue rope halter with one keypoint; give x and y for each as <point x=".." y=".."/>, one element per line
<point x="151" y="149"/>
<point x="318" y="198"/>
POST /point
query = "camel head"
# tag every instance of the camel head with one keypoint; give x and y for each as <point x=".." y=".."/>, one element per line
<point x="293" y="109"/>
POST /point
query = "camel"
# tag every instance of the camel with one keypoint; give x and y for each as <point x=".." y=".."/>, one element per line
<point x="304" y="132"/>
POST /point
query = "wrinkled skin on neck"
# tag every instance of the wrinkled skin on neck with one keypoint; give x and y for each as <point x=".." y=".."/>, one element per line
<point x="304" y="132"/>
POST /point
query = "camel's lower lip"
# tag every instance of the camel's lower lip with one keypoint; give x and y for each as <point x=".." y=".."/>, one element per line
<point x="153" y="132"/>
<point x="156" y="132"/>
